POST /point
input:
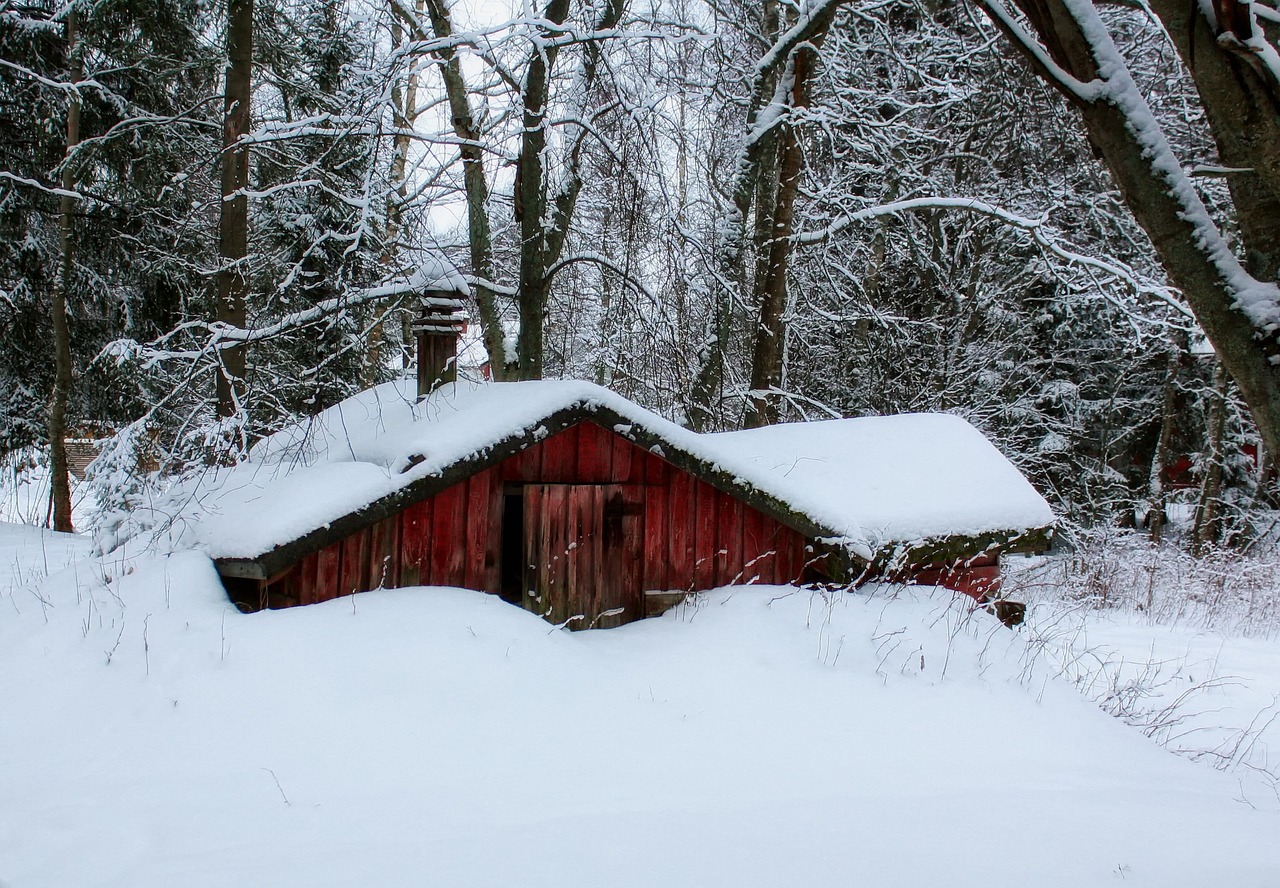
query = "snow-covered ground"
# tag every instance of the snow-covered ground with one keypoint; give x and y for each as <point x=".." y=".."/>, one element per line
<point x="1212" y="698"/>
<point x="150" y="735"/>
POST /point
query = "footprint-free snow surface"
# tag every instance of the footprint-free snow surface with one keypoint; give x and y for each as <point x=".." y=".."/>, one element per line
<point x="150" y="735"/>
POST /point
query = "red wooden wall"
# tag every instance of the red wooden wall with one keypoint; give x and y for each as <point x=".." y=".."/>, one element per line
<point x="979" y="577"/>
<point x="683" y="534"/>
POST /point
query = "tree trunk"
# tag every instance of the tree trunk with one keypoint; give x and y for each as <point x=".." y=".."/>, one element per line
<point x="1156" y="490"/>
<point x="530" y="208"/>
<point x="60" y="480"/>
<point x="1205" y="529"/>
<point x="233" y="224"/>
<point x="1243" y="111"/>
<point x="757" y="174"/>
<point x="770" y="344"/>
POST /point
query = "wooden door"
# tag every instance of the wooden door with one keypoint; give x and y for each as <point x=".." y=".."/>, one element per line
<point x="579" y="543"/>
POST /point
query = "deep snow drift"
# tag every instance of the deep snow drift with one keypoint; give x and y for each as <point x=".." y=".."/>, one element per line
<point x="150" y="735"/>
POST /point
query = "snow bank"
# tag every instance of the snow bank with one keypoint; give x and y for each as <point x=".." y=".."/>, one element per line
<point x="870" y="482"/>
<point x="153" y="736"/>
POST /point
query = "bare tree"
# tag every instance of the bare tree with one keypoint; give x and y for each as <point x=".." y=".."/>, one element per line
<point x="1073" y="51"/>
<point x="233" y="209"/>
<point x="60" y="487"/>
<point x="778" y="88"/>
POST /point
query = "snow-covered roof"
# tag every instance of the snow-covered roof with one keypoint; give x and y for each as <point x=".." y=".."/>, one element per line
<point x="866" y="482"/>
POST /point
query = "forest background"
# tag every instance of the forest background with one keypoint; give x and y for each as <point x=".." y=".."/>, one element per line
<point x="1052" y="218"/>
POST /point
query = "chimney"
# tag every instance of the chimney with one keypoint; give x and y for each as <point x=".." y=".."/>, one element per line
<point x="439" y="327"/>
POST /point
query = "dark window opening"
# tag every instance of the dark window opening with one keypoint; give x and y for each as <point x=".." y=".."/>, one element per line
<point x="512" y="564"/>
<point x="246" y="594"/>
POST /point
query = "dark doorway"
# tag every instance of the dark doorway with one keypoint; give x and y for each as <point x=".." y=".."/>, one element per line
<point x="512" y="564"/>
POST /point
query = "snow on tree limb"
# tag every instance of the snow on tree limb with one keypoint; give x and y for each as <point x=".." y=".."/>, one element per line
<point x="1072" y="87"/>
<point x="1037" y="228"/>
<point x="1257" y="300"/>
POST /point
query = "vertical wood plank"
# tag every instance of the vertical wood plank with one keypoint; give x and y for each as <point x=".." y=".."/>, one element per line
<point x="393" y="551"/>
<point x="759" y="561"/>
<point x="525" y="465"/>
<point x="595" y="454"/>
<point x="582" y="579"/>
<point x="492" y="581"/>
<point x="555" y="526"/>
<point x="448" y="537"/>
<point x="656" y="575"/>
<point x="679" y="530"/>
<point x="329" y="560"/>
<point x="532" y="572"/>
<point x="706" y="539"/>
<point x="729" y="567"/>
<point x="655" y="468"/>
<point x="354" y="568"/>
<point x="415" y="543"/>
<point x="614" y="592"/>
<point x="632" y="580"/>
<point x="381" y="558"/>
<point x="626" y="469"/>
<point x="478" y="521"/>
<point x="307" y="576"/>
<point x="790" y="555"/>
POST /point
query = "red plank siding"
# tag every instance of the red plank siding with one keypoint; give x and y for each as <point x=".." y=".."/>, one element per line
<point x="353" y="571"/>
<point x="477" y="529"/>
<point x="492" y="557"/>
<point x="560" y="457"/>
<point x="604" y="521"/>
<point x="679" y="530"/>
<point x="655" y="467"/>
<point x="758" y="560"/>
<point x="448" y="545"/>
<point x="706" y="536"/>
<point x="657" y="574"/>
<point x="627" y="468"/>
<point x="415" y="538"/>
<point x="329" y="560"/>
<point x="382" y="555"/>
<point x="308" y="578"/>
<point x="524" y="466"/>
<point x="533" y="547"/>
<point x="631" y="577"/>
<point x="729" y="566"/>
<point x="790" y="555"/>
<point x="595" y="455"/>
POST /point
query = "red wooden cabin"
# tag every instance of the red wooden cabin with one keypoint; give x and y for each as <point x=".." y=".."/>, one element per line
<point x="588" y="517"/>
<point x="591" y="511"/>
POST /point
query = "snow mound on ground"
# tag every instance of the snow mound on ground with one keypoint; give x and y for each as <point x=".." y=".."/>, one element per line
<point x="153" y="736"/>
